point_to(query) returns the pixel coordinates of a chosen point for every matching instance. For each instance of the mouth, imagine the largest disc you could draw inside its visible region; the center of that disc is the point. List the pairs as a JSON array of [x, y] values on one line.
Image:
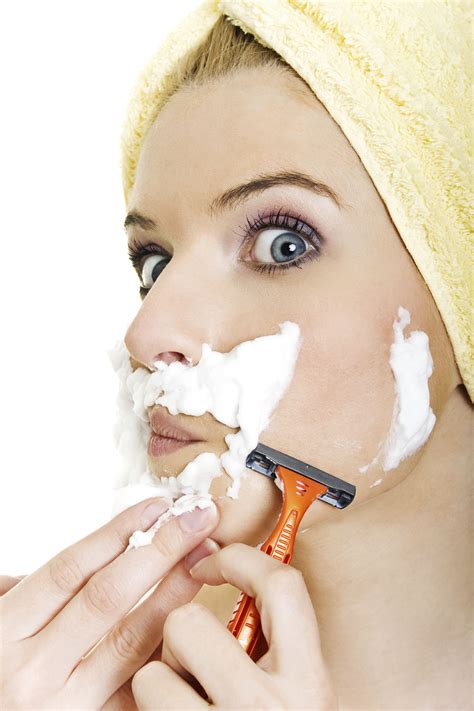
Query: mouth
[[167, 436]]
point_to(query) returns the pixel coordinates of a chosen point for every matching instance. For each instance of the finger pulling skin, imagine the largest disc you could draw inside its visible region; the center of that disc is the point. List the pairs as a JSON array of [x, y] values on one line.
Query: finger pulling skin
[[113, 591], [46, 591]]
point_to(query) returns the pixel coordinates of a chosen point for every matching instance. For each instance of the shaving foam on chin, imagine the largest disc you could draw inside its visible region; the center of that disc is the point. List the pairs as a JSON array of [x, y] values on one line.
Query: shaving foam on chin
[[240, 389]]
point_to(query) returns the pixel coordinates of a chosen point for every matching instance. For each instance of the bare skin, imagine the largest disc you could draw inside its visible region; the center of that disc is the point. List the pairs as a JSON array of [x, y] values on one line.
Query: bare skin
[[388, 577]]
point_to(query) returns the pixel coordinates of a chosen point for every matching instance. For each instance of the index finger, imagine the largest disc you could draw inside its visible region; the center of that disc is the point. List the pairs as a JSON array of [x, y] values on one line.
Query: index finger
[[112, 592], [286, 612], [41, 595]]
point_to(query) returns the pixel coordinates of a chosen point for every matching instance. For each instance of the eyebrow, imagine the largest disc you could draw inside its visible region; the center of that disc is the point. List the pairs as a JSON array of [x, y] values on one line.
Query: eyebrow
[[239, 193]]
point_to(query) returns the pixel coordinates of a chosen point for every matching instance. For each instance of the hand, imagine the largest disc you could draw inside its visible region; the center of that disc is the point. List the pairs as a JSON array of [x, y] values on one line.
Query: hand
[[7, 582], [77, 604], [292, 673]]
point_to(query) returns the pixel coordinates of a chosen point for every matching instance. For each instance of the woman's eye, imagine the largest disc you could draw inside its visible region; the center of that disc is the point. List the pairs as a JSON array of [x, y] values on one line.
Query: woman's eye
[[276, 245], [151, 269]]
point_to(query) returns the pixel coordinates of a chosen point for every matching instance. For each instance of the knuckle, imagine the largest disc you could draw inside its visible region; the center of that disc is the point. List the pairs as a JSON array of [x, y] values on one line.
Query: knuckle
[[150, 670], [65, 573], [125, 642], [229, 554], [195, 609], [180, 617], [165, 546], [286, 579], [234, 549], [101, 595]]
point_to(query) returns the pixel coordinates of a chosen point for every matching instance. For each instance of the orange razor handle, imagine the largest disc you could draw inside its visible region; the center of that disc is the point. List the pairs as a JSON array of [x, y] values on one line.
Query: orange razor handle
[[299, 492]]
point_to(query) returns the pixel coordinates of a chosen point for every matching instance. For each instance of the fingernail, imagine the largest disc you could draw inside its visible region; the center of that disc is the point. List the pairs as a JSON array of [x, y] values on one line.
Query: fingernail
[[196, 520], [207, 547], [152, 512]]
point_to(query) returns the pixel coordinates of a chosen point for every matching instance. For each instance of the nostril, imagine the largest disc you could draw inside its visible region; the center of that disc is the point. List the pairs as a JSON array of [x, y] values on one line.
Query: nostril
[[169, 357]]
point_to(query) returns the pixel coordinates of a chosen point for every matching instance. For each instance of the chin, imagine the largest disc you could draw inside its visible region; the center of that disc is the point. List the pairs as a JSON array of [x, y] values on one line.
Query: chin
[[252, 516], [174, 463], [248, 519]]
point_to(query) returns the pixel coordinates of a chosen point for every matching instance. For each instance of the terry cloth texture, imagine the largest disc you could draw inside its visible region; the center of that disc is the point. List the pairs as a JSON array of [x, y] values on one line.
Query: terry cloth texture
[[396, 76]]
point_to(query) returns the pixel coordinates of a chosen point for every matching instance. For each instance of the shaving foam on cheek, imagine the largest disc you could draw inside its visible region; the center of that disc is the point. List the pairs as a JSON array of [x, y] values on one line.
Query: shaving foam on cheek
[[412, 419], [240, 389]]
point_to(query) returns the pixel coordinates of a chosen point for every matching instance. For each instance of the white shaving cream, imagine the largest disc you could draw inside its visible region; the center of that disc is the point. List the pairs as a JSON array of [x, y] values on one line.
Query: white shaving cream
[[240, 389], [412, 419]]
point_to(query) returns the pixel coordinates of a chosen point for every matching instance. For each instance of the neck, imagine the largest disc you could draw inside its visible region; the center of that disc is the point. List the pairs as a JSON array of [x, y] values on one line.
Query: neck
[[390, 582]]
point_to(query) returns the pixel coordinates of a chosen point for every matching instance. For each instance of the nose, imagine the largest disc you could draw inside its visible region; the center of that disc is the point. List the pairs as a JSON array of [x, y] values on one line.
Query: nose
[[169, 357], [186, 307]]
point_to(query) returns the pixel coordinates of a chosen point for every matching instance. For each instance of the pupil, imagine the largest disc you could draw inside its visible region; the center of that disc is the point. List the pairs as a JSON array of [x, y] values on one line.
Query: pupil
[[158, 268], [287, 246]]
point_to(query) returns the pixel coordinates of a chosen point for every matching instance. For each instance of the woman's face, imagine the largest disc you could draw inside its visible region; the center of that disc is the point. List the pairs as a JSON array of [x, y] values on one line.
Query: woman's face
[[352, 274]]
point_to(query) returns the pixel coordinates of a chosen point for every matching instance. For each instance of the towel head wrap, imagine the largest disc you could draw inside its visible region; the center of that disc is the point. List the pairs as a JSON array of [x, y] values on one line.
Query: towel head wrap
[[395, 76]]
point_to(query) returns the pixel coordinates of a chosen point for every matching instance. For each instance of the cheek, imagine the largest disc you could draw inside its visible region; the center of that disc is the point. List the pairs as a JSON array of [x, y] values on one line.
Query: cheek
[[338, 407], [338, 410]]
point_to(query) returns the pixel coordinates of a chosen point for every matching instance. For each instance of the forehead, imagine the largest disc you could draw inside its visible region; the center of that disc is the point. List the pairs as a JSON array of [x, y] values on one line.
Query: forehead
[[209, 137]]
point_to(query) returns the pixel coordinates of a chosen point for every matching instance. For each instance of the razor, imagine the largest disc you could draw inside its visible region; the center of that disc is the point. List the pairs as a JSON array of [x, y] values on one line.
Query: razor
[[301, 485]]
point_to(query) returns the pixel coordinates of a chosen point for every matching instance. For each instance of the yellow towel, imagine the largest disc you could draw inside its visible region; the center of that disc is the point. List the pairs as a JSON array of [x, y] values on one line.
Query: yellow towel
[[396, 76]]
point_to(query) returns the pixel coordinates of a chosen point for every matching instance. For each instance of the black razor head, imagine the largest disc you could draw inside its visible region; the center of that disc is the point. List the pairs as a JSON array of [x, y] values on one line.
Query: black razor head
[[265, 460]]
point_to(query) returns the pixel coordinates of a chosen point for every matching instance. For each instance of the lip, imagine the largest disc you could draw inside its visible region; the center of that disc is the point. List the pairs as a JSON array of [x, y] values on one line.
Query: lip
[[162, 424], [167, 437], [158, 445]]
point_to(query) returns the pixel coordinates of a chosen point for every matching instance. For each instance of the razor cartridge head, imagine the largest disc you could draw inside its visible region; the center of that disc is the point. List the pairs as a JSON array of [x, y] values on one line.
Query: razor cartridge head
[[266, 460]]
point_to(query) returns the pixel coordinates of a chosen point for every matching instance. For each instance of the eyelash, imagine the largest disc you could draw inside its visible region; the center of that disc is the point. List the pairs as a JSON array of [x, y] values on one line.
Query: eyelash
[[294, 224], [137, 252]]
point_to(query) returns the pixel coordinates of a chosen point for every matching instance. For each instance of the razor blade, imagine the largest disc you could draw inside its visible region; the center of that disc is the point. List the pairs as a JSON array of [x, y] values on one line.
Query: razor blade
[[266, 460]]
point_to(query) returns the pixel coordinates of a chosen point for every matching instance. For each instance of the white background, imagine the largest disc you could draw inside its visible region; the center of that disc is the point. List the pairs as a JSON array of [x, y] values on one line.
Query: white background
[[68, 290]]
